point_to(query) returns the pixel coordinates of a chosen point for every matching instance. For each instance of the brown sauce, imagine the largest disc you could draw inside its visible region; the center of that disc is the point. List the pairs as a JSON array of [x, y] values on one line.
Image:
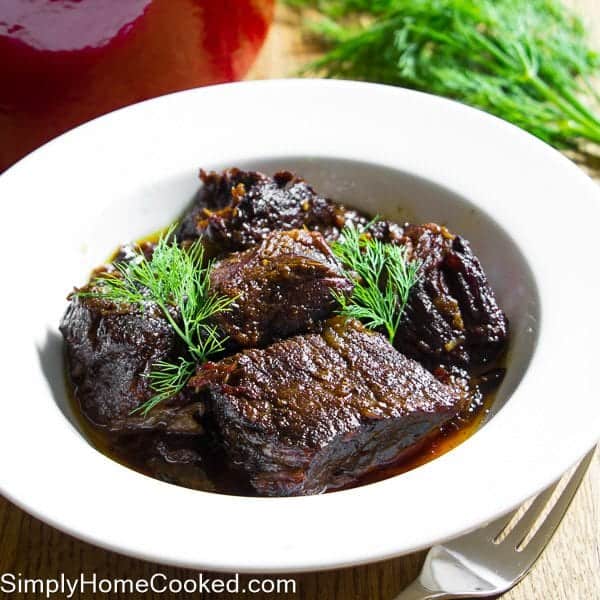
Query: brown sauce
[[215, 475], [451, 435]]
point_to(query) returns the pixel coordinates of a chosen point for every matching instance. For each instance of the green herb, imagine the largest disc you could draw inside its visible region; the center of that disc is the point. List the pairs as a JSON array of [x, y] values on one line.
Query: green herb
[[526, 61], [177, 280], [166, 379], [383, 277]]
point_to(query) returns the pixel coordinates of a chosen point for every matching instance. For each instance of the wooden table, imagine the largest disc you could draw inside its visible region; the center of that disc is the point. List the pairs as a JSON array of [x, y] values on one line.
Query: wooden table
[[568, 570]]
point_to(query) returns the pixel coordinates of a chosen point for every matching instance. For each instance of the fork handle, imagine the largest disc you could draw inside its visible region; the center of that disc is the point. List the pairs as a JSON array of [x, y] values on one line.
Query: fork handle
[[417, 591]]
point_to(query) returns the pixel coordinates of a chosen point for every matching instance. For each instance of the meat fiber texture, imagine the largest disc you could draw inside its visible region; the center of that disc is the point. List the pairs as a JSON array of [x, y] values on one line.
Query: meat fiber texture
[[237, 209], [110, 351], [280, 287], [317, 411], [452, 316]]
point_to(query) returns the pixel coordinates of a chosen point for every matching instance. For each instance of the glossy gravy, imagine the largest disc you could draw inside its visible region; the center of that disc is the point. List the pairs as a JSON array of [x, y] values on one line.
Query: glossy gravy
[[215, 475]]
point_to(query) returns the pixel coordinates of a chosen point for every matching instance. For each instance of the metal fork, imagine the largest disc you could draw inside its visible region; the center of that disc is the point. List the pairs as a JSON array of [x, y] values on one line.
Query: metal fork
[[492, 560]]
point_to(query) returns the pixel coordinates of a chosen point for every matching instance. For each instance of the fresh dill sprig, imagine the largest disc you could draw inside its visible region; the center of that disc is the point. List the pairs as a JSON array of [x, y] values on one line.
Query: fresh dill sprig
[[526, 61], [383, 277], [167, 380], [177, 280]]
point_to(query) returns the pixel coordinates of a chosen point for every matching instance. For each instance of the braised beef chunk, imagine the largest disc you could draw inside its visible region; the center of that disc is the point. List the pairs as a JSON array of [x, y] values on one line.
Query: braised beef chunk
[[110, 350], [452, 316], [238, 209], [216, 193], [281, 287], [317, 411]]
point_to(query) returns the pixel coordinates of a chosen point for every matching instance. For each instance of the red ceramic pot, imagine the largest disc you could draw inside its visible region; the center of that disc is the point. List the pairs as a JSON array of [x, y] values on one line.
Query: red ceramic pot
[[63, 62]]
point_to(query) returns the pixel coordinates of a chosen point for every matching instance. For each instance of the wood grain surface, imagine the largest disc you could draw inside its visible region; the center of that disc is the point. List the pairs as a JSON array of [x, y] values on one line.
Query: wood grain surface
[[568, 570]]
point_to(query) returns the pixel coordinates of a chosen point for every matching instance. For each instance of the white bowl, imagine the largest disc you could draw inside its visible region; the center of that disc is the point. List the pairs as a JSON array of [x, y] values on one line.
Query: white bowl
[[530, 214]]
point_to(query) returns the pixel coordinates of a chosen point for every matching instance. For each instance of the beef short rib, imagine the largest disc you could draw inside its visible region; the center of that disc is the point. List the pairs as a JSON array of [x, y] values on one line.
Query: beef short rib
[[317, 411], [281, 287], [110, 350], [452, 316], [237, 209]]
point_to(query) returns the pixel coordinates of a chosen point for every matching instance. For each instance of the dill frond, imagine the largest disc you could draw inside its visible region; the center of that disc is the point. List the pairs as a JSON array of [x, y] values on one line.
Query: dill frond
[[167, 380], [526, 61], [382, 275]]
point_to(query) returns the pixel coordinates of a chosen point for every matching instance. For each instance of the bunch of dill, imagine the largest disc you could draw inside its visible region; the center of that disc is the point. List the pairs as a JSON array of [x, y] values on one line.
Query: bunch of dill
[[526, 61]]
